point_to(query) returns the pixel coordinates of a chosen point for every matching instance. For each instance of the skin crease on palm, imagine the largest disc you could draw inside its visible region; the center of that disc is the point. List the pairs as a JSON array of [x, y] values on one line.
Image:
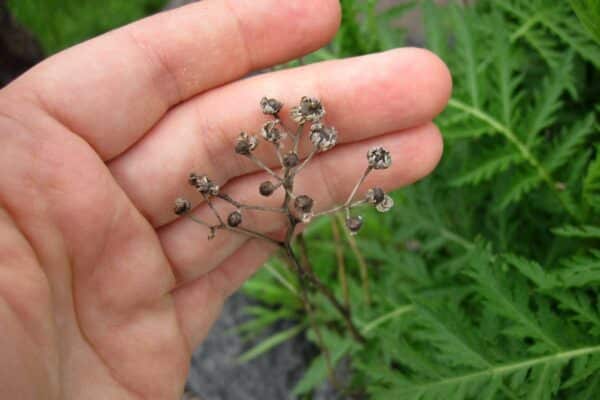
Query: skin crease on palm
[[104, 293]]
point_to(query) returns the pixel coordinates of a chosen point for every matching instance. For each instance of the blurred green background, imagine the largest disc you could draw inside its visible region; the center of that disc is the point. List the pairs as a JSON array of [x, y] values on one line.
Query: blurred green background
[[59, 24]]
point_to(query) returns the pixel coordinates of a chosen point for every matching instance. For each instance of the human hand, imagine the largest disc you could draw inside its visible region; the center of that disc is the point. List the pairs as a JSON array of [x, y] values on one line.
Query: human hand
[[104, 293]]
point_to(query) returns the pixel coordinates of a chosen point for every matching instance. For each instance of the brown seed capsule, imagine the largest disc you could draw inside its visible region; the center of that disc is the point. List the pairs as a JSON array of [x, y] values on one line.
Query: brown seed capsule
[[290, 160], [193, 179], [266, 188], [203, 184], [375, 195], [379, 158], [310, 109], [270, 106], [354, 224], [386, 204], [182, 206], [304, 204], [271, 132], [245, 144], [323, 137], [234, 219]]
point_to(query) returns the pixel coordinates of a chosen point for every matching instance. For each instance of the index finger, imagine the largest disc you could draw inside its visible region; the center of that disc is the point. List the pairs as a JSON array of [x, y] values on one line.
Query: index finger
[[112, 89]]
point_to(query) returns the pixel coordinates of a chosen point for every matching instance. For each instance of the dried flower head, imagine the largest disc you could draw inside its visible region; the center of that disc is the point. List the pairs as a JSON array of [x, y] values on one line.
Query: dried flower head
[[304, 206], [323, 137], [290, 160], [386, 204], [246, 144], [182, 206], [354, 224], [271, 132], [203, 184], [310, 109], [270, 106], [303, 203], [266, 188], [379, 158], [234, 219], [375, 195]]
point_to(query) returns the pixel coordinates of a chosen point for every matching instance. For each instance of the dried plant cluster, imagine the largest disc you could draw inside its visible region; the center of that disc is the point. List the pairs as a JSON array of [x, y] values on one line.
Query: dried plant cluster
[[297, 208]]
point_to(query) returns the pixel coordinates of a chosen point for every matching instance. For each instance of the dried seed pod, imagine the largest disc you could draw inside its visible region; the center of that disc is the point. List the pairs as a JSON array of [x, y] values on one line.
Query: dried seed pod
[[203, 184], [182, 206], [271, 132], [375, 195], [310, 109], [379, 158], [290, 160], [323, 137], [386, 204], [246, 144], [306, 217], [193, 179], [234, 219], [270, 106], [304, 204], [354, 224], [266, 188]]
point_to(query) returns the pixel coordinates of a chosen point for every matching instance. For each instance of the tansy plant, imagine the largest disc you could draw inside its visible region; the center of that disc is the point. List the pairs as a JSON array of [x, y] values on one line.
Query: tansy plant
[[297, 208]]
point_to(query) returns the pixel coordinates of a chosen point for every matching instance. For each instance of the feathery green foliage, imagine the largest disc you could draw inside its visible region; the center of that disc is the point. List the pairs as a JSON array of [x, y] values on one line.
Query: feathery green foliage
[[588, 12], [485, 281]]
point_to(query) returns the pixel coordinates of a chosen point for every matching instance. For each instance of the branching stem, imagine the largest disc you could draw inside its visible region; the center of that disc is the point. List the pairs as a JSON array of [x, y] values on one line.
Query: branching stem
[[306, 161], [262, 165], [239, 205]]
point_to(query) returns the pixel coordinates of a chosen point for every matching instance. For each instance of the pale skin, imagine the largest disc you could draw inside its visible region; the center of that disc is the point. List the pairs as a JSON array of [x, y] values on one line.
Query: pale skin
[[104, 292]]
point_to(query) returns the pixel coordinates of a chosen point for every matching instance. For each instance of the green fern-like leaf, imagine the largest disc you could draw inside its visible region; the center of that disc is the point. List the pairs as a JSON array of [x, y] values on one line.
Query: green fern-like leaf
[[583, 231], [521, 184], [588, 12], [466, 47], [570, 141], [581, 270], [548, 99], [449, 331], [557, 18], [551, 283], [509, 78], [563, 24], [510, 299], [591, 183], [488, 168]]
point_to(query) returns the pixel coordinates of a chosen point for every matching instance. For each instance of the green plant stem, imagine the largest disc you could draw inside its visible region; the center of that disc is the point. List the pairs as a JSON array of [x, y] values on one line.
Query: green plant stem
[[281, 279], [315, 327], [341, 263], [499, 370], [521, 147], [386, 317], [362, 264], [453, 237]]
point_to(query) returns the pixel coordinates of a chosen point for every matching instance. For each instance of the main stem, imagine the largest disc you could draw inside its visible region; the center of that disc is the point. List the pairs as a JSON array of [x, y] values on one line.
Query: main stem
[[306, 272], [344, 311]]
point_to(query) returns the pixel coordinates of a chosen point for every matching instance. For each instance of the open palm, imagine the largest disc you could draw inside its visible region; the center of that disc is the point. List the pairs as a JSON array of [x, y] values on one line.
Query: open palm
[[103, 291]]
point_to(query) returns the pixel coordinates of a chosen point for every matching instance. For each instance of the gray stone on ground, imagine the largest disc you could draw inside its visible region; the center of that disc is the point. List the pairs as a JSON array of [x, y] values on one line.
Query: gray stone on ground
[[215, 373]]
